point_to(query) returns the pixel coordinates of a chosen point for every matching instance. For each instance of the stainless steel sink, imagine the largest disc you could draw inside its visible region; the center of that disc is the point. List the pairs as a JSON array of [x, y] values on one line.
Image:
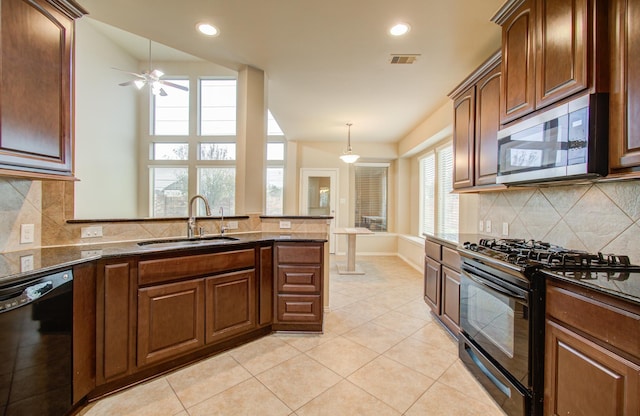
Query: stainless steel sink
[[186, 242]]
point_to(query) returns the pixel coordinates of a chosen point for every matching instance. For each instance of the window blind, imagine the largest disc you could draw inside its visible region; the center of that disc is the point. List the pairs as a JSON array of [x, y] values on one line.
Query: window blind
[[371, 197], [428, 177], [447, 201]]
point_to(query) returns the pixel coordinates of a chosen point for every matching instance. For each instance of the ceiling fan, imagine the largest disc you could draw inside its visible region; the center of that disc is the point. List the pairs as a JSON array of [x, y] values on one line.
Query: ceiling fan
[[152, 78]]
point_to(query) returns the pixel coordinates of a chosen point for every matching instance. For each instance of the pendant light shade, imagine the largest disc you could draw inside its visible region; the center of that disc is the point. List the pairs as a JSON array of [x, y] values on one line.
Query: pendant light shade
[[349, 156]]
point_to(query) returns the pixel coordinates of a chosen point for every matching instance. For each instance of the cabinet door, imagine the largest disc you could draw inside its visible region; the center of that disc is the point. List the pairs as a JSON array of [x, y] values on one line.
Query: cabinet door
[[463, 138], [624, 98], [451, 299], [582, 378], [487, 126], [35, 90], [230, 305], [432, 284], [561, 61], [116, 323], [518, 76], [170, 320]]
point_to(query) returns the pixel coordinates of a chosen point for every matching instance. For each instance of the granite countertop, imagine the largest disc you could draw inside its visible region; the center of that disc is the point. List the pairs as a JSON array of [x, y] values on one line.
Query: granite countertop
[[51, 259], [625, 287]]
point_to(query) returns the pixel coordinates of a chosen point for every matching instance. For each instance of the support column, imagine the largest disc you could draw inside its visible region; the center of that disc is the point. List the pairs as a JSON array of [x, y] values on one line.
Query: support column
[[251, 138]]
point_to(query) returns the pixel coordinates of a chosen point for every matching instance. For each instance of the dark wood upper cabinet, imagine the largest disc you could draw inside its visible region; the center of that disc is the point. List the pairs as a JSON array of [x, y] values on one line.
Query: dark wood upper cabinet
[[518, 79], [561, 60], [36, 117], [476, 120], [551, 50], [463, 136], [487, 126], [624, 98]]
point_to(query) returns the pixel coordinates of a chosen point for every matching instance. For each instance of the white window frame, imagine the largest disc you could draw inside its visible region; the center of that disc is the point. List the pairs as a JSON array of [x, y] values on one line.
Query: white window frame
[[374, 165], [438, 192]]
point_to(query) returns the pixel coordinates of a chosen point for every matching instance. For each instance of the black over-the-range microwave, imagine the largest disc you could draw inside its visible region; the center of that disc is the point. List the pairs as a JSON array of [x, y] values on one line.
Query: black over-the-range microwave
[[567, 142]]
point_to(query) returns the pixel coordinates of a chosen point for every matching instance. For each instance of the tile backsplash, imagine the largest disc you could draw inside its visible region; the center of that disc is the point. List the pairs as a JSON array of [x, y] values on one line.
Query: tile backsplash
[[602, 217], [44, 204]]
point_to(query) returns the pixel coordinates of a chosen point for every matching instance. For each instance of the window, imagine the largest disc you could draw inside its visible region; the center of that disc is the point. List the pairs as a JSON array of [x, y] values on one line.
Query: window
[[273, 128], [218, 185], [217, 107], [371, 196], [217, 151], [275, 179], [194, 164], [171, 111], [169, 191], [169, 151], [439, 207]]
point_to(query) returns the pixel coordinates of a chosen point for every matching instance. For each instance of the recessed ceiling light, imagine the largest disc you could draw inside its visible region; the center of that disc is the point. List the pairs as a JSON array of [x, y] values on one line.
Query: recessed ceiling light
[[207, 29], [400, 29]]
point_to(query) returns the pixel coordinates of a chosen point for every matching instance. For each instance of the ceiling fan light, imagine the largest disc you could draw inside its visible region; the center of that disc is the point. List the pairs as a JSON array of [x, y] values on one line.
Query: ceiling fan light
[[139, 83]]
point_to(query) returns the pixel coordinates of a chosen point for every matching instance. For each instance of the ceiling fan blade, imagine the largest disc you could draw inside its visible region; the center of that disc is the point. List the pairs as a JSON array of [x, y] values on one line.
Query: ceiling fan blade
[[125, 84], [129, 72], [171, 84]]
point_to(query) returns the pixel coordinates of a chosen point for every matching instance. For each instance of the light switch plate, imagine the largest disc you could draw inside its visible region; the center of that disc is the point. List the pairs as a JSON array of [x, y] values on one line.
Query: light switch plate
[[481, 226], [505, 228], [27, 233], [232, 225], [487, 225]]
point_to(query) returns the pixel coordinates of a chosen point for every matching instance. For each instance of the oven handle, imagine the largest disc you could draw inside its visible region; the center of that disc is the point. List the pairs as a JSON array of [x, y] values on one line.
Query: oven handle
[[493, 286]]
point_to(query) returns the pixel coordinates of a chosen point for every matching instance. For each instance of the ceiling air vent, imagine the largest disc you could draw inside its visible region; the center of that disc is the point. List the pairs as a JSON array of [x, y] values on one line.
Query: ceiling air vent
[[404, 59]]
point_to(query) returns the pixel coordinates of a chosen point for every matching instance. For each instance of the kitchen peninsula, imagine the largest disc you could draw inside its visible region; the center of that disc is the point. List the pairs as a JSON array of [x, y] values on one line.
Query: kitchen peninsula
[[144, 309]]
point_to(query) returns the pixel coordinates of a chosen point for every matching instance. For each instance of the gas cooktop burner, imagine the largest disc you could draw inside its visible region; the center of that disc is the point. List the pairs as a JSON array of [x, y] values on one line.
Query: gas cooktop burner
[[537, 253]]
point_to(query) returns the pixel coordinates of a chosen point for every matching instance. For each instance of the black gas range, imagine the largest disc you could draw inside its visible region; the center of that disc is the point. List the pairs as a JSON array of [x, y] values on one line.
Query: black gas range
[[502, 301]]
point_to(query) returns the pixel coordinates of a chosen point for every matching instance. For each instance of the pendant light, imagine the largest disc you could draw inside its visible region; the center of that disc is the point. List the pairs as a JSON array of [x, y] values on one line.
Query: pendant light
[[348, 156]]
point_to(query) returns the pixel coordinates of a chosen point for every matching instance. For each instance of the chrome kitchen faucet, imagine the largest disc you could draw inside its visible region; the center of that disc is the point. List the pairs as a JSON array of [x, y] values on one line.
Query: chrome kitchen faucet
[[191, 222]]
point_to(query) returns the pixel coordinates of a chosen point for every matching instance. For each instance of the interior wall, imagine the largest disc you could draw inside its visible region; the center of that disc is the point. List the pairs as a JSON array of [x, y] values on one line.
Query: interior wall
[[603, 217], [105, 188]]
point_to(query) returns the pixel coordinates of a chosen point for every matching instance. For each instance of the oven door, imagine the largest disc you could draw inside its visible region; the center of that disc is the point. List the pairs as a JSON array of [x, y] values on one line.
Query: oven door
[[494, 315]]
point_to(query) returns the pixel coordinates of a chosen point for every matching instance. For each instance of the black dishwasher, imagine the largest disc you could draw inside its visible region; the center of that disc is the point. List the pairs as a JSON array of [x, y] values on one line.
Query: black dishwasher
[[36, 319]]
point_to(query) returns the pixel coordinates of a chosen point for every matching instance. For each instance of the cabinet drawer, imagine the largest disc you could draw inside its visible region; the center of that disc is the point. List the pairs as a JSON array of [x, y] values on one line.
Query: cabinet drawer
[[299, 278], [299, 254], [161, 270], [433, 250], [451, 258], [609, 323], [299, 308]]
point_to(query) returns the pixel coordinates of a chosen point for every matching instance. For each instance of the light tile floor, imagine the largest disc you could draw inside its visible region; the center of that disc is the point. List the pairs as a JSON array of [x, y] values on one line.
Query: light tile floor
[[381, 353]]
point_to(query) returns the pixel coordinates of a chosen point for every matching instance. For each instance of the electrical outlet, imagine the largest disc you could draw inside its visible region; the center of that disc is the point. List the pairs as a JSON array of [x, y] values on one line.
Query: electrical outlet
[[481, 226], [27, 233], [90, 253], [232, 225], [487, 226], [26, 263], [285, 224], [91, 232], [505, 228]]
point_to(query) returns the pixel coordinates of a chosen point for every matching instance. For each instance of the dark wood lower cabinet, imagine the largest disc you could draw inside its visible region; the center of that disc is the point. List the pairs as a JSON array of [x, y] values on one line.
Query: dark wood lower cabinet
[[583, 378], [451, 299], [170, 320], [432, 284], [592, 353], [154, 312], [442, 283], [116, 320], [230, 305]]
